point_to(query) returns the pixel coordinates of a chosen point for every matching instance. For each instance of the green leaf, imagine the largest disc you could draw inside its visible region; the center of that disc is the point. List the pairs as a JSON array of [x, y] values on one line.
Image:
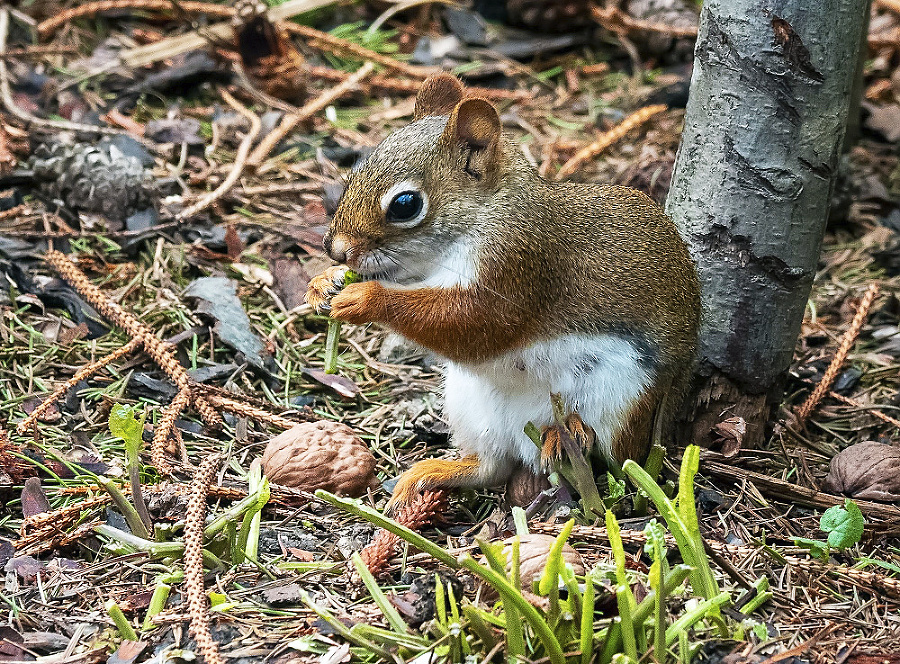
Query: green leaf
[[123, 424], [817, 548], [844, 525]]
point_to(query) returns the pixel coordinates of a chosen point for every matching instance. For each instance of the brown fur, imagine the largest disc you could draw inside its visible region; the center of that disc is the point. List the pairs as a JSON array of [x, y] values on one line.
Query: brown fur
[[554, 258]]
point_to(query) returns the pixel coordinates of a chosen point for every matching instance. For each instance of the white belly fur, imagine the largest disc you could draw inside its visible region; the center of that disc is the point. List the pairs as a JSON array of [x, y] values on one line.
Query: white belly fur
[[488, 405]]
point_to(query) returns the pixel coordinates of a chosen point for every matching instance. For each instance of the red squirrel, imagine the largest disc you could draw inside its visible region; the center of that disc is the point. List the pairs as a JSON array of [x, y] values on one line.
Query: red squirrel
[[527, 287]]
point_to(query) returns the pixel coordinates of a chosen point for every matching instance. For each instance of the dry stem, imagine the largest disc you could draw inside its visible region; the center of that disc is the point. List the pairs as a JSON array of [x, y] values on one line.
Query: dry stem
[[837, 361], [193, 561], [79, 375], [615, 134], [317, 38], [164, 429], [288, 122], [27, 118], [240, 160]]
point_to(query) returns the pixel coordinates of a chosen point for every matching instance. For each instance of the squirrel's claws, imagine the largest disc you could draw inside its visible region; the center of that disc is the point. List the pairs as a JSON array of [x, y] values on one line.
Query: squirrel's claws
[[323, 287], [553, 439]]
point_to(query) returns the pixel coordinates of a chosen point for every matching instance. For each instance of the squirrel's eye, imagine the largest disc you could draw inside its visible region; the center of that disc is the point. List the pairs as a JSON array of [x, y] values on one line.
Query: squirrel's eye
[[405, 206]]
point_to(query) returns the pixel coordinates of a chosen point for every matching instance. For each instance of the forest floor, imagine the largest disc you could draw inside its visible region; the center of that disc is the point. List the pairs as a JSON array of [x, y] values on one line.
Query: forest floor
[[134, 218]]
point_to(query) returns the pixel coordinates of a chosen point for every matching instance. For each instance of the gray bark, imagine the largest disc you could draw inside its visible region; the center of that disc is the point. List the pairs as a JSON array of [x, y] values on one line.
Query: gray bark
[[752, 184]]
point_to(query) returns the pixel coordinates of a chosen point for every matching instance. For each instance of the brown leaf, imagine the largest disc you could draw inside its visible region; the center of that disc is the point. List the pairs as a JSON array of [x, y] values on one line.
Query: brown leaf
[[732, 432], [886, 121], [233, 243], [33, 499], [291, 281], [343, 386], [867, 470]]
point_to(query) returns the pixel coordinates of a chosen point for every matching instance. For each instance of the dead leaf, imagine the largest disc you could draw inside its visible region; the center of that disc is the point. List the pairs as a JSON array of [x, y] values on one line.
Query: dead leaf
[[291, 281], [233, 243], [885, 120], [343, 386], [217, 298], [33, 499], [732, 432]]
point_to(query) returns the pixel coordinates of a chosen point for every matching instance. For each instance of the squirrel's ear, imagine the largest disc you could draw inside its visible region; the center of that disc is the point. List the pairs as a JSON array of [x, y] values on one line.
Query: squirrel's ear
[[475, 122], [439, 95]]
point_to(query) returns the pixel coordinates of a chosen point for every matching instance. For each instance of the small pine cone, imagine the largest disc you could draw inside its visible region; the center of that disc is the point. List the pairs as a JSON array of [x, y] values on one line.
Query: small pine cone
[[425, 508], [549, 15], [269, 57], [97, 179]]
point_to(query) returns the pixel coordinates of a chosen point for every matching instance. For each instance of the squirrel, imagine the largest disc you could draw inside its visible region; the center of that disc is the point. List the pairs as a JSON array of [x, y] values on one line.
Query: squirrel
[[526, 287]]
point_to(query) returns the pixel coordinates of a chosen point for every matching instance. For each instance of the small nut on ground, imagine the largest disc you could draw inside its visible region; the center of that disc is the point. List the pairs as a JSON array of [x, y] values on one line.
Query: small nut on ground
[[320, 455], [867, 471], [533, 550]]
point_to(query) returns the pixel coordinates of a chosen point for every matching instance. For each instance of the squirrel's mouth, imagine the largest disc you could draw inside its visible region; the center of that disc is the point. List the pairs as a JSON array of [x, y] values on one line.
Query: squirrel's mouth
[[371, 266]]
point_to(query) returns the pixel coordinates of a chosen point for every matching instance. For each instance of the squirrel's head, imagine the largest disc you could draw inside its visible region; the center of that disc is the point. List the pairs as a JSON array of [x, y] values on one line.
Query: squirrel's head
[[422, 187]]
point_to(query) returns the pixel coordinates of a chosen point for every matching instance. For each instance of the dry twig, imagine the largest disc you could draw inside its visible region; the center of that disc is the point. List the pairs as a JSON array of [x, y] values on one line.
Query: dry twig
[[193, 561], [288, 122], [240, 160], [81, 374], [317, 38], [843, 350], [32, 121], [615, 134], [615, 20], [422, 511], [874, 409]]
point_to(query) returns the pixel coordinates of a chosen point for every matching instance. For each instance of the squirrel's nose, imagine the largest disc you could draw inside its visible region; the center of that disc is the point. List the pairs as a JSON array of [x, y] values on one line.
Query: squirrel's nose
[[337, 247]]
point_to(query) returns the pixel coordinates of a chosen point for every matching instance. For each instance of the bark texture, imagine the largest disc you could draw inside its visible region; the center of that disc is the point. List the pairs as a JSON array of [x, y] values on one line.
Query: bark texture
[[752, 184]]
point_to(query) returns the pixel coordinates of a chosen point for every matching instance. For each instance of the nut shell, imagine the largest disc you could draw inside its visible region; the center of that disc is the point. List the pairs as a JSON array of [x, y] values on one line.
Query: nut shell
[[320, 455], [867, 470], [533, 550]]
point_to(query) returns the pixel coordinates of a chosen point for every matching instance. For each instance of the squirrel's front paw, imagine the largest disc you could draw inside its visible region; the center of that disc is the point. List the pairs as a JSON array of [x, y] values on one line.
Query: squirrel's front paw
[[359, 303], [323, 287]]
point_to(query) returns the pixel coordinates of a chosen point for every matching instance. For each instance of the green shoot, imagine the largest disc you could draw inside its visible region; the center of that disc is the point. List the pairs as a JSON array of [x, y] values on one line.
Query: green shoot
[[333, 332]]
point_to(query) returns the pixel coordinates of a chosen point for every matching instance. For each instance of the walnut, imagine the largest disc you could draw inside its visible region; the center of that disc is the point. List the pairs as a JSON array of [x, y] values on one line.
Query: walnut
[[533, 550], [867, 470], [320, 455]]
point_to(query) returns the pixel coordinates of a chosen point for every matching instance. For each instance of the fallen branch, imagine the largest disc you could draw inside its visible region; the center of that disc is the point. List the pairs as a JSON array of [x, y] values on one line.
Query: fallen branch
[[240, 160], [32, 121]]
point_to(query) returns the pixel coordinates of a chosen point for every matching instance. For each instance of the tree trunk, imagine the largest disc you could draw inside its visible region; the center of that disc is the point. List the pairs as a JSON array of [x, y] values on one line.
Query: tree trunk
[[752, 185]]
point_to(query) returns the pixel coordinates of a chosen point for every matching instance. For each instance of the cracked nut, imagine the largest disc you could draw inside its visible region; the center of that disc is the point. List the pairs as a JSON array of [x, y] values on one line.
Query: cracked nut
[[320, 455]]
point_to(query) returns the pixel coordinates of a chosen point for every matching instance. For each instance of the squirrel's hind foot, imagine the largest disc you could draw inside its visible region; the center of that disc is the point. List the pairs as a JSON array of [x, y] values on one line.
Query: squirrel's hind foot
[[431, 474]]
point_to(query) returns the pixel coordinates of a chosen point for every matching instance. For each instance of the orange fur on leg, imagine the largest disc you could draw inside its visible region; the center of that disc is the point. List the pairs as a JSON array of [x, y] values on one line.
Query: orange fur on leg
[[433, 473]]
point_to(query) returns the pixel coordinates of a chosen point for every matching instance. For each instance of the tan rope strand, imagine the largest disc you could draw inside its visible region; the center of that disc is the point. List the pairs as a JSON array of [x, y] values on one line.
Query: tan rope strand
[[81, 374], [155, 348], [198, 608], [614, 135], [847, 342]]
